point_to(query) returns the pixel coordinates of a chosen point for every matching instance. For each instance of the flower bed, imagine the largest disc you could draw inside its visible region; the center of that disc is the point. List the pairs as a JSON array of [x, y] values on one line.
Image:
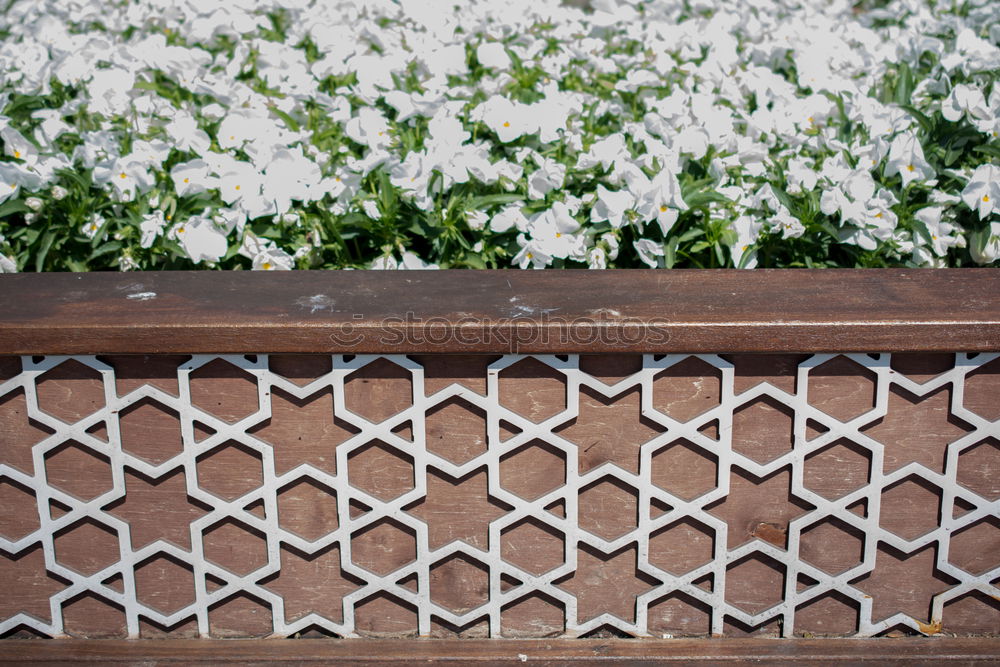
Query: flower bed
[[277, 134]]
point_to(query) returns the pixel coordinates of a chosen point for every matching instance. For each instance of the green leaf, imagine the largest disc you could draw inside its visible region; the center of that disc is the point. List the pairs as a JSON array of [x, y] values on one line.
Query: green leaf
[[474, 261], [904, 85], [110, 246], [704, 198], [13, 206], [670, 253], [926, 124], [690, 234], [745, 257], [292, 124], [989, 149], [43, 250], [492, 200], [951, 155]]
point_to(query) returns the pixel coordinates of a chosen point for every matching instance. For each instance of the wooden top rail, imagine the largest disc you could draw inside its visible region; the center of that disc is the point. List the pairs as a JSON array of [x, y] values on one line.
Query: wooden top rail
[[508, 311]]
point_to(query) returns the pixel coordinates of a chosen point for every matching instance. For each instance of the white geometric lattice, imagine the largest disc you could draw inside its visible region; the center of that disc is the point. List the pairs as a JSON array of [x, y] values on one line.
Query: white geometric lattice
[[568, 492]]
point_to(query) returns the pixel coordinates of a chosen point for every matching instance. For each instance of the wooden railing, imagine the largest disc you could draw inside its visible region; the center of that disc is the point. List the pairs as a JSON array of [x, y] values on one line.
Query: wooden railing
[[462, 455]]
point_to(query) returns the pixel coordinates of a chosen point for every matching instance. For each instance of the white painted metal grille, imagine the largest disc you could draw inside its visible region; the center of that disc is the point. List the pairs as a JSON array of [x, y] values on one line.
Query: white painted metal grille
[[802, 581]]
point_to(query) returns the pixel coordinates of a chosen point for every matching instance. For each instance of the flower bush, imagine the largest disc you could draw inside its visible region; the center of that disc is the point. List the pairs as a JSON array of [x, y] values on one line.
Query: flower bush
[[279, 134]]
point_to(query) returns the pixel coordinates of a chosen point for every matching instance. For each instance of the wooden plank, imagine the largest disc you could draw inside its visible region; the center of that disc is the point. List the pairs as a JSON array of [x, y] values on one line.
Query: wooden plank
[[374, 652], [637, 311]]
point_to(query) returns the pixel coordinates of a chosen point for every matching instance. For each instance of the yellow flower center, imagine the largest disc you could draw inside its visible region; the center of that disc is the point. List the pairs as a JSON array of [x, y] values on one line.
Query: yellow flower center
[[558, 235], [506, 123], [237, 187], [123, 175], [933, 238], [232, 137], [909, 167], [879, 214], [986, 198], [529, 255], [187, 180], [663, 209], [267, 266], [17, 154], [13, 186], [810, 119]]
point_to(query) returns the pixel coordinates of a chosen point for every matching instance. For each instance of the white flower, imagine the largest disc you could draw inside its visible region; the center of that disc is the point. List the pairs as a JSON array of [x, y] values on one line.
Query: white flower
[[290, 175], [597, 258], [906, 158], [371, 209], [662, 201], [108, 91], [510, 216], [411, 262], [492, 55], [192, 177], [59, 193], [126, 262], [982, 194], [7, 264], [555, 231], [151, 226], [272, 258], [370, 128], [187, 136], [201, 239], [965, 99], [384, 263], [241, 181], [605, 152], [34, 203], [747, 232], [941, 233], [789, 226], [126, 175], [800, 175], [549, 176], [92, 226], [16, 146], [611, 206], [476, 219], [649, 251], [509, 120], [532, 254], [990, 250]]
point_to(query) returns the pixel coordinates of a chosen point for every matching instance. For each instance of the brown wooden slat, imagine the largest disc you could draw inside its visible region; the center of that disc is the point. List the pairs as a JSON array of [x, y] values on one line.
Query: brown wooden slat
[[928, 651], [502, 311]]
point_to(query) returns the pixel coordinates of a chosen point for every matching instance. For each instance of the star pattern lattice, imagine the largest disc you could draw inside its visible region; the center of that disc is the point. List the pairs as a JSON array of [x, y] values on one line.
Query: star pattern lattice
[[402, 437]]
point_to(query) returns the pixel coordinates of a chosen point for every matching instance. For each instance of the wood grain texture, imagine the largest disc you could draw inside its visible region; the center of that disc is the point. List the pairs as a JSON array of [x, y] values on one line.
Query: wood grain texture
[[551, 653], [636, 311]]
